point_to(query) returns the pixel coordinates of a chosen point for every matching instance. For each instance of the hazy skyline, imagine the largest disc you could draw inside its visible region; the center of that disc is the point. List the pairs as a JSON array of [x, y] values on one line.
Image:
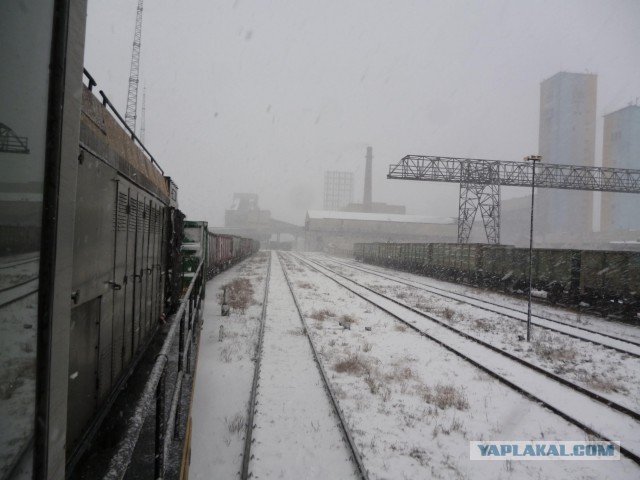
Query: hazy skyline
[[263, 97]]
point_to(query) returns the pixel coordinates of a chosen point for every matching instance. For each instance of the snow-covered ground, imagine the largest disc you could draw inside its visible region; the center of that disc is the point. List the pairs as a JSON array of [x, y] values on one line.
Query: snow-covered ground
[[611, 374], [18, 328], [296, 433], [411, 405], [224, 375], [579, 319]]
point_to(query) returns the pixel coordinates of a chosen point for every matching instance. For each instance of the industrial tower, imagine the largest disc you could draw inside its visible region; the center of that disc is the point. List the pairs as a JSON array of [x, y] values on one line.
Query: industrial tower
[[132, 95]]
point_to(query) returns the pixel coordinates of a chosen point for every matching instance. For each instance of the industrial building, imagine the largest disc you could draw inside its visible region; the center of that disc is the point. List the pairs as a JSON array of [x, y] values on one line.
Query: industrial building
[[336, 232], [245, 218], [621, 149], [567, 136]]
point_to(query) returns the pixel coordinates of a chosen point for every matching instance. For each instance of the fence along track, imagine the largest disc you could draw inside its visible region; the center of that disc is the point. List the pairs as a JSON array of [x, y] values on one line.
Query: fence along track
[[629, 454], [355, 455], [246, 456], [453, 296]]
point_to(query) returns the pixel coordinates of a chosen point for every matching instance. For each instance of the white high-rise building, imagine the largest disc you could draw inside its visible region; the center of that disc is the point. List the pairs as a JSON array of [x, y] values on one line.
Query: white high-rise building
[[621, 149], [567, 136]]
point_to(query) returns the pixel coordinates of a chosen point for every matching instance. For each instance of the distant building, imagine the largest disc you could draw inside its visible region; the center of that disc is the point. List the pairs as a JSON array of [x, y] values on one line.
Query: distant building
[[515, 220], [367, 205], [621, 149], [245, 217], [567, 136], [375, 207], [338, 231], [338, 190]]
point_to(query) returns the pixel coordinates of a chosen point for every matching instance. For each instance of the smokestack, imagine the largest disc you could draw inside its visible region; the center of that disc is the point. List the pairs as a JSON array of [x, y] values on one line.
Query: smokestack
[[367, 181]]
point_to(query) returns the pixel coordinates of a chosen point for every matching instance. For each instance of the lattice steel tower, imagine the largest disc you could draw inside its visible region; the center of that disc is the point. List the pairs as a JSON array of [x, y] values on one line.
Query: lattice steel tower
[[338, 190], [132, 95]]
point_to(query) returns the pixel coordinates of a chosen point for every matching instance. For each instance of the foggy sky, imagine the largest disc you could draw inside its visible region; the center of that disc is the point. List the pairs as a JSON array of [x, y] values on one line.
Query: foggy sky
[[264, 96]]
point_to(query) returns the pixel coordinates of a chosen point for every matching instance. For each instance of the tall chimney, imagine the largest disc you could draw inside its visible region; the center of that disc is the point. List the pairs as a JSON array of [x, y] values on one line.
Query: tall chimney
[[367, 181]]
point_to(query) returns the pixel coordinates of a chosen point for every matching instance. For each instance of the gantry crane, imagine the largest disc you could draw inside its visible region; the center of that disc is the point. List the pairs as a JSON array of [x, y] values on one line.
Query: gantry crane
[[12, 143], [480, 182]]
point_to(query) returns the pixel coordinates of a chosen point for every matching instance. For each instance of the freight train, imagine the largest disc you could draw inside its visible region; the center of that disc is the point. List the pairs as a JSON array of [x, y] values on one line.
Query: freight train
[[220, 250], [606, 281], [134, 258], [90, 338]]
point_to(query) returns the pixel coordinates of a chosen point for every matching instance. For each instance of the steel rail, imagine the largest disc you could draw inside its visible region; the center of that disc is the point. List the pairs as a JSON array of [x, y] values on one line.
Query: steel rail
[[588, 393], [453, 296], [19, 262], [362, 471], [248, 439], [16, 285], [19, 297], [610, 403], [613, 337]]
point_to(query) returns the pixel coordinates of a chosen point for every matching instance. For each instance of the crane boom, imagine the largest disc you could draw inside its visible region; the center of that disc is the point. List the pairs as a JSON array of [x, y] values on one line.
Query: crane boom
[[480, 182]]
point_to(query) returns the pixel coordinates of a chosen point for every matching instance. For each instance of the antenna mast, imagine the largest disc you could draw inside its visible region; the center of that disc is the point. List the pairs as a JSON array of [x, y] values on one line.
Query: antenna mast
[[142, 122], [132, 96]]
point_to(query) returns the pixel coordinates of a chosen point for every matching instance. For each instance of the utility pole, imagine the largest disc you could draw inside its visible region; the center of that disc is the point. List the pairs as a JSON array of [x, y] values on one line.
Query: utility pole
[[132, 95], [533, 159]]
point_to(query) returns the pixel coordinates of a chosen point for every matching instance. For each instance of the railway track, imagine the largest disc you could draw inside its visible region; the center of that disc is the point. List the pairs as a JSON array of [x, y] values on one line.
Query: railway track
[[246, 456], [16, 263], [612, 342], [285, 414], [571, 402], [13, 293]]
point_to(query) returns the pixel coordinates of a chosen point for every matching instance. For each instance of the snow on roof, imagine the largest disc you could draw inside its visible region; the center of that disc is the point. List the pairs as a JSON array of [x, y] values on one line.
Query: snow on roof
[[377, 217]]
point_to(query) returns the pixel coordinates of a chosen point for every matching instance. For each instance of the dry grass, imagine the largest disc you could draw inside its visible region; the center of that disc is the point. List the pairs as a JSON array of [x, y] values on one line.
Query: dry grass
[[420, 455], [448, 313], [482, 325], [400, 373], [423, 306], [236, 424], [299, 332], [306, 285], [226, 354], [322, 315], [353, 365], [455, 426], [347, 320], [446, 396], [553, 349], [399, 327], [239, 294], [596, 381]]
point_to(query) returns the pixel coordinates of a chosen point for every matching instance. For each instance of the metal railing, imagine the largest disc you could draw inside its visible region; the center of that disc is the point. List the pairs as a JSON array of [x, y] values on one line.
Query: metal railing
[[184, 325], [107, 103]]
